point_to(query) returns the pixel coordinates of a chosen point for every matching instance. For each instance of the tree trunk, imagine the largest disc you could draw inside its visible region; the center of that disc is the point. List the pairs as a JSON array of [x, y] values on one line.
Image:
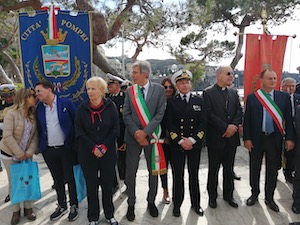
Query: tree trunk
[[238, 51], [10, 60], [4, 79], [101, 61]]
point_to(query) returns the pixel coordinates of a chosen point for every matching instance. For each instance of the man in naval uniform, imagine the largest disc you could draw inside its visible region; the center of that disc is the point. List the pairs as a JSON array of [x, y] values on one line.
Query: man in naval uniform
[[186, 122], [118, 97]]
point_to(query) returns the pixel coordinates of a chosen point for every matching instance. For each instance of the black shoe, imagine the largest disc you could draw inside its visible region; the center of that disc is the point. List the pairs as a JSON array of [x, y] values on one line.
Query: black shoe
[[212, 203], [73, 215], [251, 200], [58, 213], [272, 205], [295, 209], [289, 179], [130, 213], [7, 198], [152, 210], [1, 169], [113, 221], [231, 202], [199, 211], [176, 212], [236, 177]]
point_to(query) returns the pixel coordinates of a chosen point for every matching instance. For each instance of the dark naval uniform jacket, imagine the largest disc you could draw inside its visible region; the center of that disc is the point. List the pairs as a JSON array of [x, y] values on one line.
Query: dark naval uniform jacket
[[186, 119], [118, 99]]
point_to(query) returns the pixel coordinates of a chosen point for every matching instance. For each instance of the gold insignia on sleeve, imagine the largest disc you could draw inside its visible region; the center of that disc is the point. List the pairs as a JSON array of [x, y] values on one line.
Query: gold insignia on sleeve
[[173, 135], [200, 134]]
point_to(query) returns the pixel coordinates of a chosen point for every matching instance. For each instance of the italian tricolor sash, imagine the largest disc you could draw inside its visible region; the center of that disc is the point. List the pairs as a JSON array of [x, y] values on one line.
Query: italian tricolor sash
[[158, 161], [272, 108]]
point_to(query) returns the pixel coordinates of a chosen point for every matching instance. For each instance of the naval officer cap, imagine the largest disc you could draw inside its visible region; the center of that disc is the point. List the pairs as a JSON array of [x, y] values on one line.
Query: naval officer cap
[[180, 75], [111, 79], [7, 90], [125, 83]]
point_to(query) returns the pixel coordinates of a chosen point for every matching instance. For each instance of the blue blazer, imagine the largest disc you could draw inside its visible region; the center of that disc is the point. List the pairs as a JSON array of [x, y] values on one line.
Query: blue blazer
[[253, 119], [66, 113]]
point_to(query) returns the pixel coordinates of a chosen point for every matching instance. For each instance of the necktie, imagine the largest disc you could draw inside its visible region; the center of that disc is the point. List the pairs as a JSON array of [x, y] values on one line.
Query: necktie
[[184, 99], [142, 90], [293, 105], [269, 122]]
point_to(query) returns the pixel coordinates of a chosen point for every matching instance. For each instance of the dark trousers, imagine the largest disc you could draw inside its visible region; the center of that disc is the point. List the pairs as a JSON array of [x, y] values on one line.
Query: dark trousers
[[216, 157], [164, 178], [98, 171], [273, 158], [60, 163], [122, 164], [296, 181], [179, 158], [289, 168]]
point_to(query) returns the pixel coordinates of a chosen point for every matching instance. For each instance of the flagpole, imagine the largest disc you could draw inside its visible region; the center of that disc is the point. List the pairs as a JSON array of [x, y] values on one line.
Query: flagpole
[[264, 16]]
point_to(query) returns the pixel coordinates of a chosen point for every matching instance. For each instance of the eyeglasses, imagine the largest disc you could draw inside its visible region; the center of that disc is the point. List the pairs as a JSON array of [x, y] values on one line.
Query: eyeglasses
[[229, 73], [168, 87]]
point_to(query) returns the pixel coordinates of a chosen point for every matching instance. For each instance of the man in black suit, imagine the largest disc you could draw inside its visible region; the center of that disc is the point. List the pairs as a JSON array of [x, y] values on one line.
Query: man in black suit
[[118, 97], [186, 122], [224, 114], [288, 85], [267, 119]]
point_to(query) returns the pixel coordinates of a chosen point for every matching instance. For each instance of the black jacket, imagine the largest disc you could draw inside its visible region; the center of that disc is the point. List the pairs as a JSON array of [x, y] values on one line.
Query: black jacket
[[102, 129]]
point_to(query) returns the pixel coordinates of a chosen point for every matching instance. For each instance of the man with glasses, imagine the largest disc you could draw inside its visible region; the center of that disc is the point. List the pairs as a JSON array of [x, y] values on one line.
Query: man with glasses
[[144, 109], [224, 114], [288, 85], [55, 123]]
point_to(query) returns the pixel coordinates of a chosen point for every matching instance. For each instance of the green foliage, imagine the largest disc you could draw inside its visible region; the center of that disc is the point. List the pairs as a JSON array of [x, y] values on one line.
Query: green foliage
[[198, 71]]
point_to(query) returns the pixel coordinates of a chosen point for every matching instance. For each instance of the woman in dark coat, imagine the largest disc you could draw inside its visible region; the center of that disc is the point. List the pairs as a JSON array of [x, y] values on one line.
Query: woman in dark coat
[[97, 127]]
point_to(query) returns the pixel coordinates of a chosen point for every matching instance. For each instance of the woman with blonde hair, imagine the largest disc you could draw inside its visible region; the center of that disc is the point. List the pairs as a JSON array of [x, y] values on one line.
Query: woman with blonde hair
[[96, 130], [20, 141]]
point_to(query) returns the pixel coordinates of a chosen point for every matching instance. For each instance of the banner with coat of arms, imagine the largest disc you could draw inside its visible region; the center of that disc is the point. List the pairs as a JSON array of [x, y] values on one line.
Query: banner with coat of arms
[[57, 47]]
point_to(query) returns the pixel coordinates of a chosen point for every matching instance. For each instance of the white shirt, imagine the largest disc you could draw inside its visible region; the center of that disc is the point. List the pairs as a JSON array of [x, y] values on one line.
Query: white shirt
[[146, 89], [56, 136], [188, 95]]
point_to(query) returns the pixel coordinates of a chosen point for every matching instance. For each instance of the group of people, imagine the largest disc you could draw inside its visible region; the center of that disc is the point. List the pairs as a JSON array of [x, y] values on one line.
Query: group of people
[[168, 123]]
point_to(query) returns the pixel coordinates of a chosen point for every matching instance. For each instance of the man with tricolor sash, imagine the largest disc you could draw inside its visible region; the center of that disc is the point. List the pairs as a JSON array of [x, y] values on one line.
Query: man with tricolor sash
[[267, 123], [143, 112]]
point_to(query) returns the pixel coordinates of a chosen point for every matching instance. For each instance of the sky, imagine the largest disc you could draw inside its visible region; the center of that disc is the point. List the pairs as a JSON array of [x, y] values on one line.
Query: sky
[[292, 55]]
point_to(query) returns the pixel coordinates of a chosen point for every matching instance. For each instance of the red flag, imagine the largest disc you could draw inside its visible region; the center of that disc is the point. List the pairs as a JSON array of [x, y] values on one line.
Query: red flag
[[262, 52]]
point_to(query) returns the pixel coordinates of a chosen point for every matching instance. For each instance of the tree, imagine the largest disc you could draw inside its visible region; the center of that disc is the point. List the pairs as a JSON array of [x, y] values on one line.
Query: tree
[[107, 21], [225, 14], [148, 27]]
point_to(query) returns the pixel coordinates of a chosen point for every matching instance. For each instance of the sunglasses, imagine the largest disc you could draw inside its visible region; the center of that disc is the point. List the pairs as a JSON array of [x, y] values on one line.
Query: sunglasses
[[229, 73], [168, 87]]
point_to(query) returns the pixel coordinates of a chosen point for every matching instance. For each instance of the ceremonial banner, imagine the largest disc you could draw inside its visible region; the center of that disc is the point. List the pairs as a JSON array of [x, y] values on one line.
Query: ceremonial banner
[[262, 52], [59, 50]]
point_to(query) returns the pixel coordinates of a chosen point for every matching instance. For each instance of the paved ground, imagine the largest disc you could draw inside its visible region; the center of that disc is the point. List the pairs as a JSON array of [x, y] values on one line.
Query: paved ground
[[222, 215]]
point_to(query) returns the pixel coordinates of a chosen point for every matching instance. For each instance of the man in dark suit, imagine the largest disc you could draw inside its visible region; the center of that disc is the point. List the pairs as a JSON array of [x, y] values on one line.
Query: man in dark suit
[[267, 119], [118, 97], [186, 120], [141, 97], [288, 85], [296, 157], [224, 114], [55, 124]]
